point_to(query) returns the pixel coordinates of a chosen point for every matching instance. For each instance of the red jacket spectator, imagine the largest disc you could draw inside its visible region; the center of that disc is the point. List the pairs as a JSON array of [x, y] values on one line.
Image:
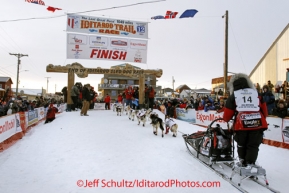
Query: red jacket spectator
[[119, 98], [183, 105], [51, 112], [129, 92], [152, 92], [50, 116], [107, 99], [201, 106]]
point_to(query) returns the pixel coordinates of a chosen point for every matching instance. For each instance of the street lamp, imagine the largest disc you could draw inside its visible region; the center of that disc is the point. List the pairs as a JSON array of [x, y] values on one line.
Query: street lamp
[[19, 72], [232, 72]]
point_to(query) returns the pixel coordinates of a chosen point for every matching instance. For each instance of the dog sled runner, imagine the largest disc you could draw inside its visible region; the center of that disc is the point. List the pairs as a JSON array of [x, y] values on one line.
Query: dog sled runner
[[214, 148]]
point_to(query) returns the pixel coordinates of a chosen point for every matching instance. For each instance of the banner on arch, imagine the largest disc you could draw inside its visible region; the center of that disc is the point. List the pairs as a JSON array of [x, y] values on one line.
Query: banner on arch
[[106, 26], [82, 46]]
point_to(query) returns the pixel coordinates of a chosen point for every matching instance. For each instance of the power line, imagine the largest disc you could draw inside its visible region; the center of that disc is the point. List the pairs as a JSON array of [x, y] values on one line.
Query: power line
[[238, 47], [103, 9]]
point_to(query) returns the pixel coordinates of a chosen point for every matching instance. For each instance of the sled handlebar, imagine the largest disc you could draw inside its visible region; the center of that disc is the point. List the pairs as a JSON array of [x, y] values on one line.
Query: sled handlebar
[[219, 119]]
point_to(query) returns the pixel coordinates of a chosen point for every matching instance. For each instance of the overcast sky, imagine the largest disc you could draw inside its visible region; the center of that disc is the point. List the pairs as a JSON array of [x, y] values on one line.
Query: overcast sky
[[191, 50]]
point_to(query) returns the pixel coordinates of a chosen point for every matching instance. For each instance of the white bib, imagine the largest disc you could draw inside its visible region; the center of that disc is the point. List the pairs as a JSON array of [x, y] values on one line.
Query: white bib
[[170, 123], [247, 100]]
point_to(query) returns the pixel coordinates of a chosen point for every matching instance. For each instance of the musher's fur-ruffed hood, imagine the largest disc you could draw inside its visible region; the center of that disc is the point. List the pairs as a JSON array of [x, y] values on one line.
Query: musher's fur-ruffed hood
[[240, 81]]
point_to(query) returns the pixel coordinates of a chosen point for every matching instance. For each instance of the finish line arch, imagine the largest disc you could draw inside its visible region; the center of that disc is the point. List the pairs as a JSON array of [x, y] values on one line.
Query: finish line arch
[[82, 72]]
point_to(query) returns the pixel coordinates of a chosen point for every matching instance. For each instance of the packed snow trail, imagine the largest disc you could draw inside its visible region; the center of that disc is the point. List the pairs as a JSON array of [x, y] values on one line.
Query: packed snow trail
[[74, 150]]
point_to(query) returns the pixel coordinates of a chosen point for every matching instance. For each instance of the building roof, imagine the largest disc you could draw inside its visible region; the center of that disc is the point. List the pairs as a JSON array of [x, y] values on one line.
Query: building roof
[[183, 85], [28, 91], [123, 65], [201, 90], [5, 79], [273, 44]]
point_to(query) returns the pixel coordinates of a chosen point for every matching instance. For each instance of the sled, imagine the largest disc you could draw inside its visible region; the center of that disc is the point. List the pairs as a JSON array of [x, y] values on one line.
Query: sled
[[216, 144]]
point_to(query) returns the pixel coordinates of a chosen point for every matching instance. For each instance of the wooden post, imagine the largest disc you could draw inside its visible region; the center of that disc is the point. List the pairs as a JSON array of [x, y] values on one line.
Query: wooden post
[[226, 55], [70, 83], [141, 90]]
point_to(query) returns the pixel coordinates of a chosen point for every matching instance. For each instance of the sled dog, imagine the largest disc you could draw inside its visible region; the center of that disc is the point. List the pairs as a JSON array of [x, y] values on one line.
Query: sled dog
[[171, 125], [157, 123], [141, 117]]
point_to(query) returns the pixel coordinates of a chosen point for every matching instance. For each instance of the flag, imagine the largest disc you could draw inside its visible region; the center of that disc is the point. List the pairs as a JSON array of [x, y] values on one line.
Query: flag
[[158, 17], [39, 2], [49, 8], [171, 15], [189, 13]]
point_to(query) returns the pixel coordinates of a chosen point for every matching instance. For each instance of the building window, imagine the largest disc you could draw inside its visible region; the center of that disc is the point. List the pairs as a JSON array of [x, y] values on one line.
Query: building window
[[113, 93], [114, 81], [130, 82]]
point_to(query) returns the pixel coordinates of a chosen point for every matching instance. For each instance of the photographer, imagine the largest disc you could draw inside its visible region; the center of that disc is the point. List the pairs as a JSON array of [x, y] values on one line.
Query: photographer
[[208, 103]]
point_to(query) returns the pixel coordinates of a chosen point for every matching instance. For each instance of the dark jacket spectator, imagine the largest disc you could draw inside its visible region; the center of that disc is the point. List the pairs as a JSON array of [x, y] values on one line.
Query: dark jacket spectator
[[170, 111], [136, 93], [208, 104], [85, 94], [268, 98], [281, 110]]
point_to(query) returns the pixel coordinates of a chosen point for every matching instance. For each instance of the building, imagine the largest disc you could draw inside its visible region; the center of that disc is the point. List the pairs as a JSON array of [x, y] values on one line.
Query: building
[[30, 94], [272, 66], [180, 88], [194, 93], [161, 92], [5, 84], [113, 84]]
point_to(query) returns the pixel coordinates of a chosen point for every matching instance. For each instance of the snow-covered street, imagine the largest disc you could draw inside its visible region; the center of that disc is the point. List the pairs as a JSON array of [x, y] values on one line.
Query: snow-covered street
[[76, 151]]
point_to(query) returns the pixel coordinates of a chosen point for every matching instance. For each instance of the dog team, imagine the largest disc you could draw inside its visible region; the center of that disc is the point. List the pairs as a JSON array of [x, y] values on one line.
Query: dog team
[[144, 115]]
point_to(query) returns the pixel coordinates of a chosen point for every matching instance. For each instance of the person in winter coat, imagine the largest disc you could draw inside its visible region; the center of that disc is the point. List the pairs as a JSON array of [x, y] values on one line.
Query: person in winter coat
[[170, 111], [50, 115], [149, 96], [220, 106], [281, 110], [134, 103], [250, 113], [107, 102], [136, 92], [258, 88], [119, 98], [208, 103], [269, 99], [74, 96], [270, 86], [128, 94], [64, 92], [85, 100]]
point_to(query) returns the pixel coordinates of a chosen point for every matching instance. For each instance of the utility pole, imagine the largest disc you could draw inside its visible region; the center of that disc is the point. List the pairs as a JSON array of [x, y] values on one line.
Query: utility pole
[[47, 84], [173, 94], [18, 63], [226, 52]]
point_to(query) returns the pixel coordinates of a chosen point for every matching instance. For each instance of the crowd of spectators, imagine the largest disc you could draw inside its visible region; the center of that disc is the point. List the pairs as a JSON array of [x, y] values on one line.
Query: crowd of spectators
[[17, 104], [276, 101]]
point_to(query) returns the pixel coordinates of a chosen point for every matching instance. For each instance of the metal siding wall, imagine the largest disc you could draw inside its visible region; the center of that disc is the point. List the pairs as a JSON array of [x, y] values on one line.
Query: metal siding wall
[[270, 64], [273, 67], [259, 75], [283, 52]]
